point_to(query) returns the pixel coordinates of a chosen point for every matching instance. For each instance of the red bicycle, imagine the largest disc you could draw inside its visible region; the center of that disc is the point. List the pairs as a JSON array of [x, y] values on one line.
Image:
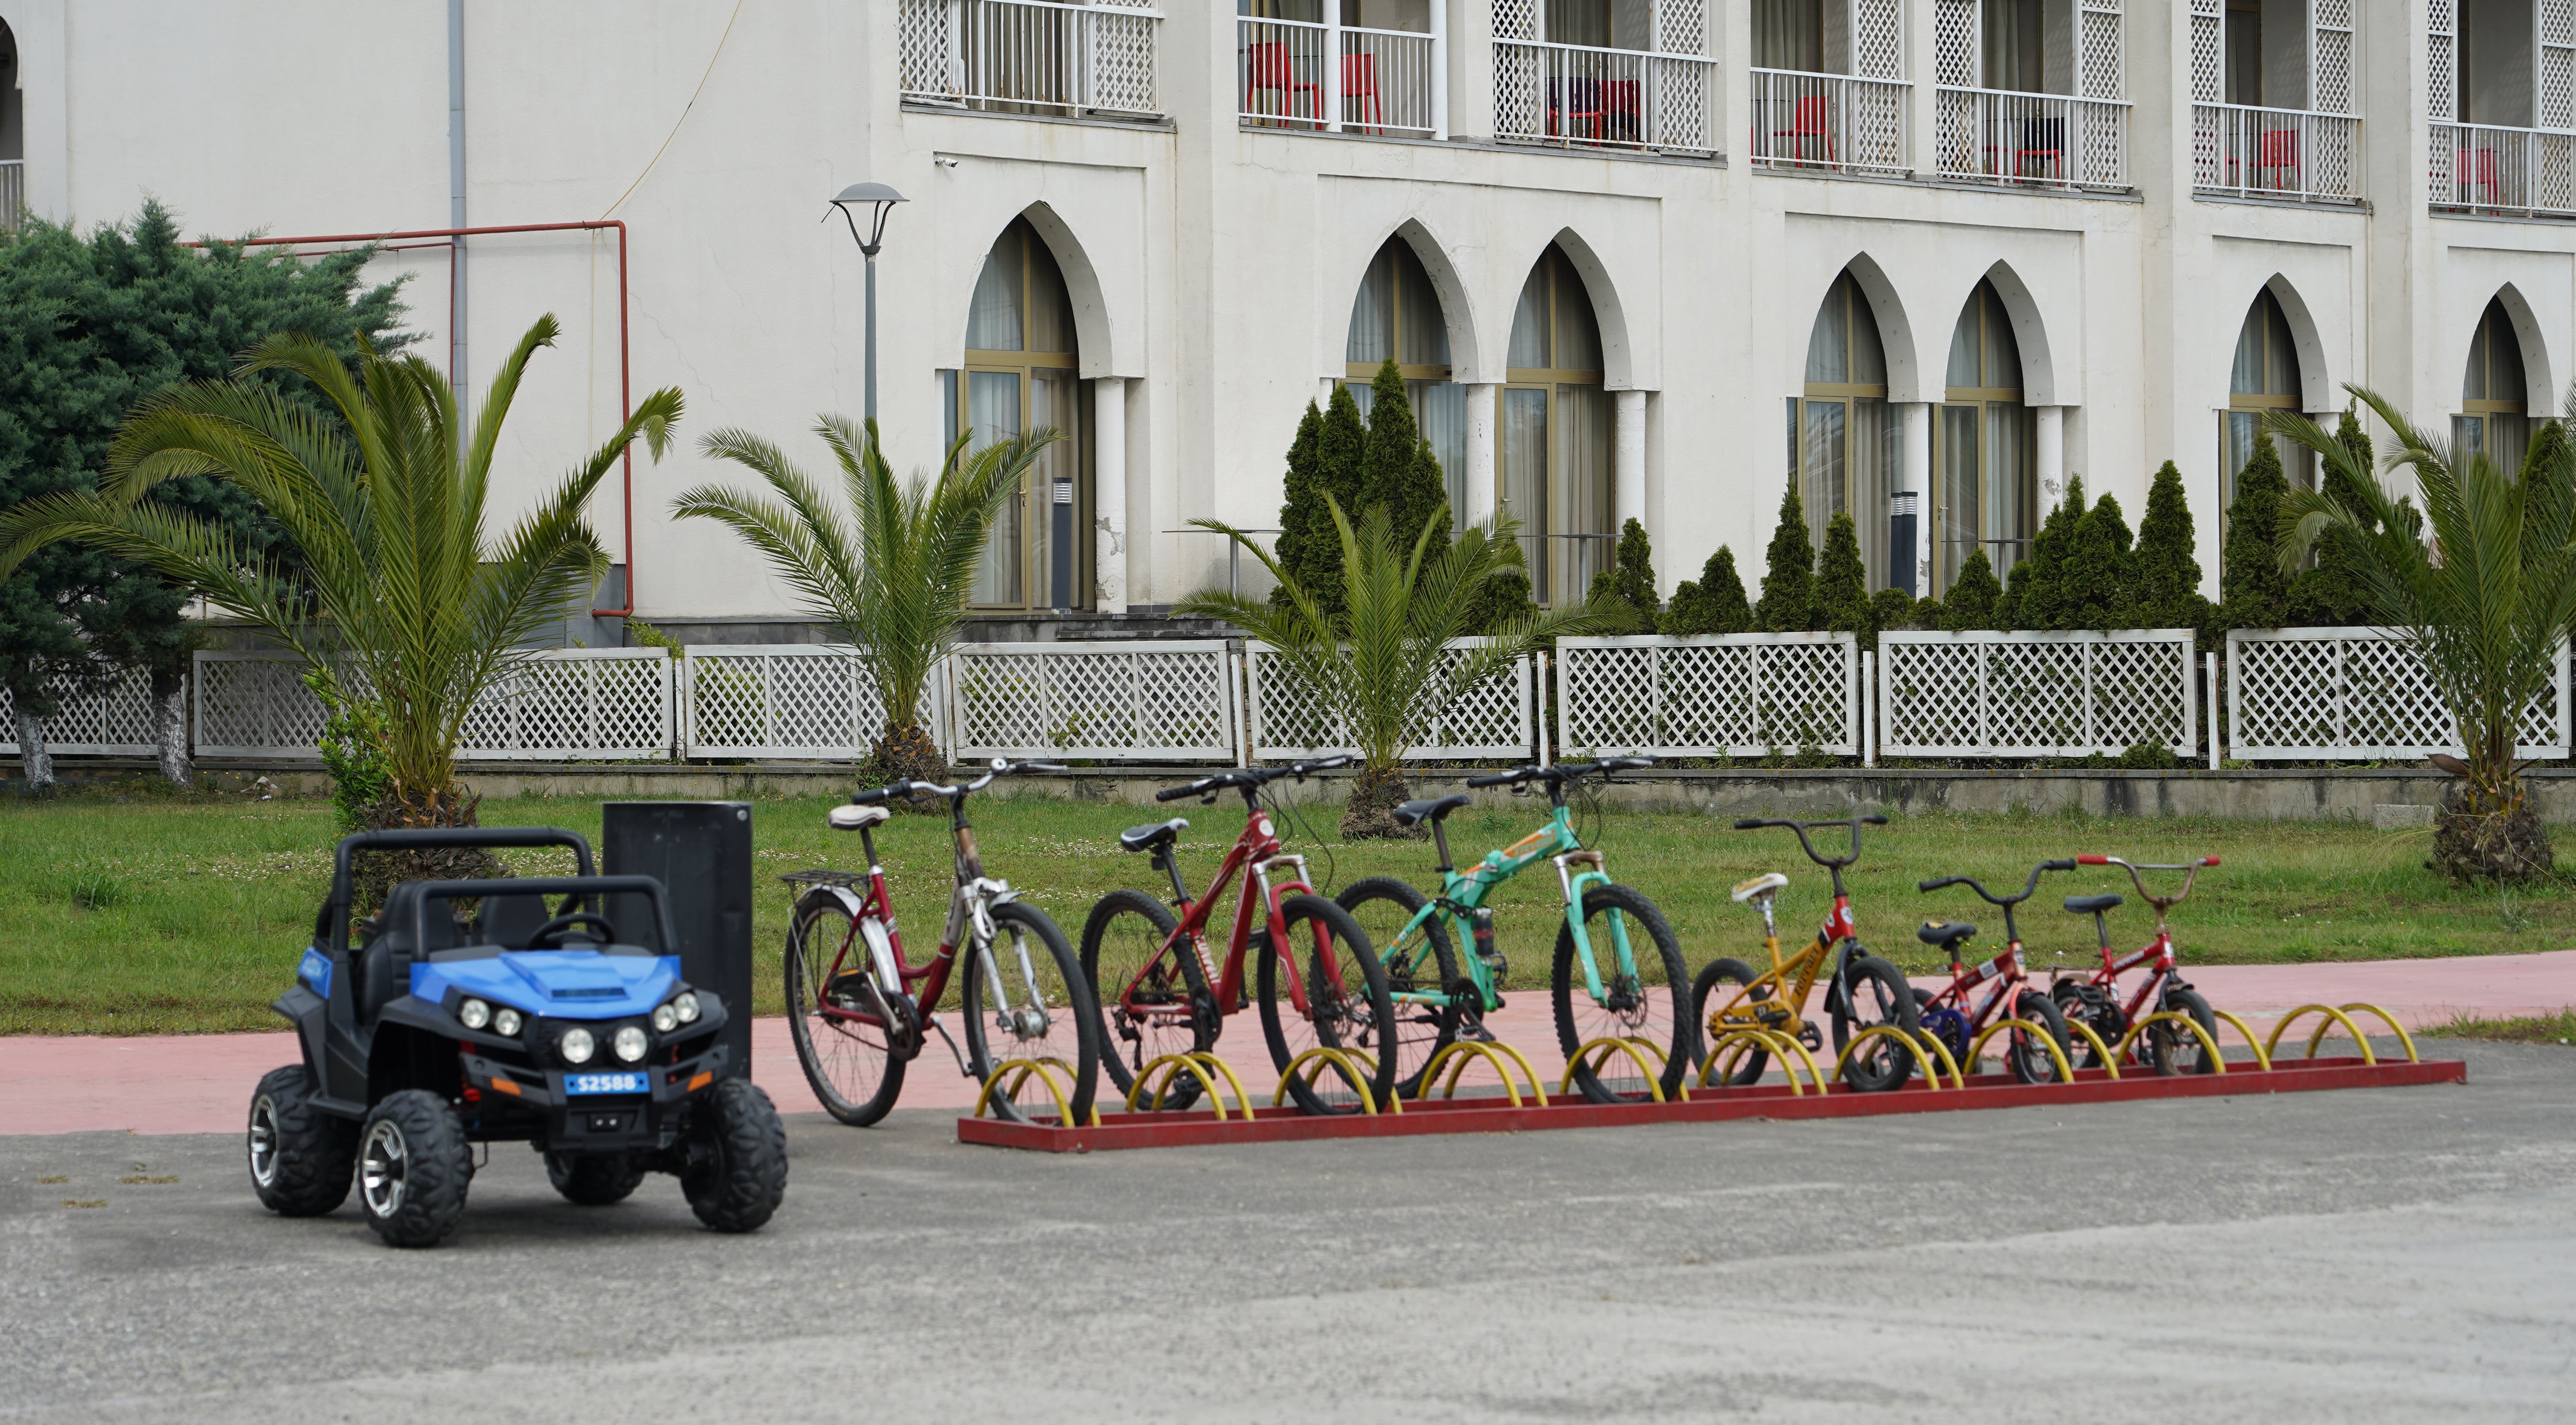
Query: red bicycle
[[1956, 1018], [1150, 972], [2165, 1047]]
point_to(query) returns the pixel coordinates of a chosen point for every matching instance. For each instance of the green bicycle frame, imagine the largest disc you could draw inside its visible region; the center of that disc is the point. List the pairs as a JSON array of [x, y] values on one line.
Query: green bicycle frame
[[1464, 894]]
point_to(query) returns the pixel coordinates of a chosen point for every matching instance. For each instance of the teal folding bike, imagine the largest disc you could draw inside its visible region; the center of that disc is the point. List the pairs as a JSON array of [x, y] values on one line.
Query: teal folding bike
[[1622, 999]]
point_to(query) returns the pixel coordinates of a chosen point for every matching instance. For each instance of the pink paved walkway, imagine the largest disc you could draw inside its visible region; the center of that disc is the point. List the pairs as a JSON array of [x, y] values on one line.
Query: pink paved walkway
[[201, 1083]]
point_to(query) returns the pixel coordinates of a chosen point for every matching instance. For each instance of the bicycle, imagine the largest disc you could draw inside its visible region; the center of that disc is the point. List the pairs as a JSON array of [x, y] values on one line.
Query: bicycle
[[859, 1011], [1176, 1001], [1960, 1025], [1863, 992], [2095, 998], [1439, 999]]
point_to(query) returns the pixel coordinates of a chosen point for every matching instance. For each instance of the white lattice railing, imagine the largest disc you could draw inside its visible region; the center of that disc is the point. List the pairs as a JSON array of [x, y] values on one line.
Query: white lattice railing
[[2034, 694], [1076, 58], [2275, 153], [1388, 81], [1289, 719], [255, 705], [1712, 695], [1146, 700], [572, 704], [1831, 121], [112, 717], [1580, 95], [799, 700], [2481, 168], [2332, 694], [2040, 140]]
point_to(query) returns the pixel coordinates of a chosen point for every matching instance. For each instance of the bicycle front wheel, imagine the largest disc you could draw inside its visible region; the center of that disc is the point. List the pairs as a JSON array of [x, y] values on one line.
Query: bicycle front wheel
[[1149, 990], [1026, 1001], [852, 1040], [1643, 998], [1422, 974], [1347, 1007], [1874, 993], [2170, 1049]]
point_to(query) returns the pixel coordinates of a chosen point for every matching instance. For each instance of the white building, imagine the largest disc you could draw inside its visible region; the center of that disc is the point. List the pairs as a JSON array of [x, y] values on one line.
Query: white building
[[1638, 257]]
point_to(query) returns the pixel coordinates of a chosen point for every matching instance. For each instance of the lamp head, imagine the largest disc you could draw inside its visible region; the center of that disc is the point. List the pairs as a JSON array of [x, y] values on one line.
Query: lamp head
[[878, 200]]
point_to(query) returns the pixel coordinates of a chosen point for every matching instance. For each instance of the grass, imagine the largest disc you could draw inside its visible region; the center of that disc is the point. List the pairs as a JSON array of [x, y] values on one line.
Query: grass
[[186, 913], [2559, 1028]]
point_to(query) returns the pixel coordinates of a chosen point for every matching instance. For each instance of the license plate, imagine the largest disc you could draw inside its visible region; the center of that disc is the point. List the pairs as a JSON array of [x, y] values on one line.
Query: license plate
[[636, 1082]]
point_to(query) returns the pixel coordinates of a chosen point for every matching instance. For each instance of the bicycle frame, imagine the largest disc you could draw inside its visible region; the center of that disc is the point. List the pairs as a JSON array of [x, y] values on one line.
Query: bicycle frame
[[1254, 854], [1462, 895], [2156, 955], [1785, 1003]]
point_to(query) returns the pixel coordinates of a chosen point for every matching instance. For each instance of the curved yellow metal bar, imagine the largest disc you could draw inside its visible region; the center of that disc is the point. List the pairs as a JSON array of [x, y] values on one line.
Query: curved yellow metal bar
[[2262, 1056], [1740, 1041], [1242, 1099], [2365, 1007], [1207, 1067], [1020, 1069], [1458, 1055], [2065, 1070], [1842, 1062], [2332, 1016], [1527, 1072], [2102, 1051], [1933, 1042], [1324, 1056], [2167, 1016], [1603, 1049]]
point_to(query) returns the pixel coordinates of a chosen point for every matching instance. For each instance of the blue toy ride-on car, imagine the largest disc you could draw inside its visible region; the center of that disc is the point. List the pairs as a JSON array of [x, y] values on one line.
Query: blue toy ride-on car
[[476, 1012]]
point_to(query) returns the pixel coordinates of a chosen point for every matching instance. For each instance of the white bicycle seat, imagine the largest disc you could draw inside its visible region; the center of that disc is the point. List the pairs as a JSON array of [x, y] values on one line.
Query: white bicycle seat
[[1769, 883], [851, 818]]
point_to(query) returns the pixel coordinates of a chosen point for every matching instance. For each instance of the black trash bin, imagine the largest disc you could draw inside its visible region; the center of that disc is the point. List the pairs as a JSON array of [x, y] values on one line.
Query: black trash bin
[[701, 853]]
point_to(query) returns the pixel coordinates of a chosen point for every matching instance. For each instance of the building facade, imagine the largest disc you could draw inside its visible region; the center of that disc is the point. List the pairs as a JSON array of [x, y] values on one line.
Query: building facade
[[1634, 258]]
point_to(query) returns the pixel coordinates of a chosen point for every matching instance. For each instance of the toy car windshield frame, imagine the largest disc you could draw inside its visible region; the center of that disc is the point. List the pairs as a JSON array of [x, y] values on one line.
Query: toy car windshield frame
[[589, 888]]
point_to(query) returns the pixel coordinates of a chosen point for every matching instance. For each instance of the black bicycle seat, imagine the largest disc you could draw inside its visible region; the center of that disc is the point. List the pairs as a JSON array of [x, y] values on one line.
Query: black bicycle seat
[[2092, 905], [1429, 809], [1146, 838], [1944, 933]]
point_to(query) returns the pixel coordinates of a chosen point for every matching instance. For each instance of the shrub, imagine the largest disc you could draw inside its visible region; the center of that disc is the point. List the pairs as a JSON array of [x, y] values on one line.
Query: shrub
[[2163, 574], [1892, 608], [1789, 575], [2253, 592], [2332, 592], [1323, 460], [1397, 468], [2148, 757], [2096, 584], [1841, 597], [1973, 596], [1713, 604], [1628, 585], [2035, 594]]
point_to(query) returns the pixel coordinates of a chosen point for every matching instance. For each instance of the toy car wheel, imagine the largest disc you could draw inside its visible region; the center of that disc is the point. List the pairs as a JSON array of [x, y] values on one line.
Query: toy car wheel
[[593, 1179], [299, 1156], [413, 1167], [734, 1164]]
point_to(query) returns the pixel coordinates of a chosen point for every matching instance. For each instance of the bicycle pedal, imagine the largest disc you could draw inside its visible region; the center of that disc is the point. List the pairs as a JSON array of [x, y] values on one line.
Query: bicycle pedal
[[1474, 1032]]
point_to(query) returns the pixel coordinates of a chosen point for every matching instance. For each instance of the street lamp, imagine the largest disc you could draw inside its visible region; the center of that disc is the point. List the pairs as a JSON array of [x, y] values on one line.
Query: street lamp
[[879, 200]]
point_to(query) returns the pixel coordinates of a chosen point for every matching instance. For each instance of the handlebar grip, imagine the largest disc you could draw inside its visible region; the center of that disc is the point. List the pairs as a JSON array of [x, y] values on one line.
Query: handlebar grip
[[2057, 865], [1042, 767], [2092, 860], [1937, 885], [1748, 823], [1492, 779], [1173, 794], [2209, 860], [874, 796], [1875, 819]]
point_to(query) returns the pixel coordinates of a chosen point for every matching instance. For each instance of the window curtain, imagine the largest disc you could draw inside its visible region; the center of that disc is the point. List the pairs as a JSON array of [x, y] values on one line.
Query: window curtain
[[993, 413], [1789, 34], [1524, 493], [1581, 504], [993, 318], [2016, 59], [1440, 408]]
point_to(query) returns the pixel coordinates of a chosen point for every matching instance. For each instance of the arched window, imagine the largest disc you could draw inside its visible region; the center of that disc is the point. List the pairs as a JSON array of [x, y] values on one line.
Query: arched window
[[1397, 313], [1987, 480], [2265, 377], [1555, 433], [1845, 442], [1020, 375], [2495, 412]]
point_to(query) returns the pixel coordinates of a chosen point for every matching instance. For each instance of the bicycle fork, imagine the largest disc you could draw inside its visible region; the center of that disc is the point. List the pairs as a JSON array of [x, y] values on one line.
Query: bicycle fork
[[1626, 982]]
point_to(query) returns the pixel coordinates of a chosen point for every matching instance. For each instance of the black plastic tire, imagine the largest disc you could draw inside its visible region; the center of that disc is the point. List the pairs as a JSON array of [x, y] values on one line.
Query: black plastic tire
[[1656, 1013], [413, 1169], [1877, 994], [300, 1157], [1346, 1010], [1719, 982], [735, 1163], [1428, 960], [2030, 1060], [2097, 1012], [1125, 928], [2170, 1049], [855, 1070], [1073, 1016], [593, 1179]]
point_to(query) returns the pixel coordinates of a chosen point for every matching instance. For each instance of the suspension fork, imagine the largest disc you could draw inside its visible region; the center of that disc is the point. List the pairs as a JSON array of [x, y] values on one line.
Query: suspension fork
[[1576, 884], [1277, 925]]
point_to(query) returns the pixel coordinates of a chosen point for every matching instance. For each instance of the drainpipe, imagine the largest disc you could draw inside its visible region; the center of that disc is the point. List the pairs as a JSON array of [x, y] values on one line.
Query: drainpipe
[[456, 190]]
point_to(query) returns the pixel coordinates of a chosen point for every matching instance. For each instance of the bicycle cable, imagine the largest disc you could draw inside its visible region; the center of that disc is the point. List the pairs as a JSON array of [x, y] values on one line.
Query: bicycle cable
[[1293, 812]]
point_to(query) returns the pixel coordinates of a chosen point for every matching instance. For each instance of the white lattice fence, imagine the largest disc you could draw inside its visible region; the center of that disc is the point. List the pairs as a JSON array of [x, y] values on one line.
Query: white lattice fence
[[2034, 694], [591, 704], [1168, 701], [1712, 695], [2334, 694], [255, 705], [787, 700], [108, 718], [1289, 719]]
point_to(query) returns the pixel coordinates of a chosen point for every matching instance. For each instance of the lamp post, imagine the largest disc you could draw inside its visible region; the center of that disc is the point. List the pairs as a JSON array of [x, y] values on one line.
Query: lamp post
[[879, 200]]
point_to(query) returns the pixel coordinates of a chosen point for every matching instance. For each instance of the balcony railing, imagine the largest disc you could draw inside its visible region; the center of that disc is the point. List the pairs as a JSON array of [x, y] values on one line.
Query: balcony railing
[[1607, 98], [13, 192], [2275, 153], [1388, 81], [2480, 168], [1830, 121], [2034, 140], [1030, 55]]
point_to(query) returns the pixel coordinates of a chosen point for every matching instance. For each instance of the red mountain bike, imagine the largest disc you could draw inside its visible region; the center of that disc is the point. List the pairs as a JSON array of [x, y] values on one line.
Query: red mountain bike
[[1150, 972], [2165, 1047]]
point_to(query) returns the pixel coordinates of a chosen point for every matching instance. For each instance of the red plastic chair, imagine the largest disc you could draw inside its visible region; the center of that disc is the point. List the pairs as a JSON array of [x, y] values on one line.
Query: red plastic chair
[[1622, 114], [1359, 87], [1808, 119], [1270, 69], [2278, 151], [1571, 102], [2476, 168]]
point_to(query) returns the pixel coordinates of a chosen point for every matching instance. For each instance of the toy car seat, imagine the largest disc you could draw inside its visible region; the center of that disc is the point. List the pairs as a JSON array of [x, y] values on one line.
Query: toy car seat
[[384, 965]]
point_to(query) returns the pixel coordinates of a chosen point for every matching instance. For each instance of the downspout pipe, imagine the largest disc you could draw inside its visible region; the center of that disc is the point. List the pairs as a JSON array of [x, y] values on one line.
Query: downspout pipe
[[456, 190]]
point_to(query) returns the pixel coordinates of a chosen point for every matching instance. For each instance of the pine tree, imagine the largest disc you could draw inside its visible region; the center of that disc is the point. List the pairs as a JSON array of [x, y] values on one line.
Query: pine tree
[[1788, 580], [2253, 591], [1842, 582], [1503, 598], [2096, 582], [2035, 595], [1630, 581], [1714, 603], [2331, 593], [1304, 500], [1397, 468], [2164, 576], [1309, 547], [1973, 595], [1891, 608]]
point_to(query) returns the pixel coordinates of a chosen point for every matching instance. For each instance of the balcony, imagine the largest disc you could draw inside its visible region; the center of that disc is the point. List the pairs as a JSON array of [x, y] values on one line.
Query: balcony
[[1831, 123], [1590, 96], [2033, 140], [2240, 150], [2486, 168], [1387, 81], [1030, 56]]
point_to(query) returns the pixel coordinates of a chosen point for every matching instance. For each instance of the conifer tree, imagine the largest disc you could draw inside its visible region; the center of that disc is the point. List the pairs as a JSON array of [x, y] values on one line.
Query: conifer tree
[[1397, 469], [1629, 582], [2164, 575], [1842, 581], [1309, 547], [1970, 605], [2096, 582], [1789, 574], [1891, 608], [2331, 592], [2035, 592], [2252, 590], [1713, 603], [1303, 496]]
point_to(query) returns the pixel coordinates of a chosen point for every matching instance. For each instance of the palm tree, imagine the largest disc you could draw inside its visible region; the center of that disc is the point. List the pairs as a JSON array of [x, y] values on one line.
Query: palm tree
[[1383, 667], [404, 608], [896, 586], [2483, 605]]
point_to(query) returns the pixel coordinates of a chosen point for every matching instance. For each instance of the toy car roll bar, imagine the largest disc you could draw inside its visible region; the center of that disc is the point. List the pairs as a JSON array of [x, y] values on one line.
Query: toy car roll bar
[[589, 888], [1250, 780], [333, 924]]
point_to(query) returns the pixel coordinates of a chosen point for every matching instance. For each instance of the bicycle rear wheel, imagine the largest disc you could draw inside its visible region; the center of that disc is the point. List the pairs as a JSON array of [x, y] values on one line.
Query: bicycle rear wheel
[[852, 1039], [2170, 1049], [1151, 1002], [1424, 961], [2028, 1058], [1041, 1010], [1875, 993], [1347, 1006], [1719, 984], [1648, 1004]]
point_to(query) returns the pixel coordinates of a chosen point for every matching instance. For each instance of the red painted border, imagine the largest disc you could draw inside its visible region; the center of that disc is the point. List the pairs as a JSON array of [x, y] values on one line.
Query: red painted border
[[1496, 1115]]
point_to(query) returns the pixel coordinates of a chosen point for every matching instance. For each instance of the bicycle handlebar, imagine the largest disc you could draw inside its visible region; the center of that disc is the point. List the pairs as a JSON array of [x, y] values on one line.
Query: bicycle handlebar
[[2190, 869], [1557, 774], [1990, 897], [998, 767], [1852, 824], [1251, 779]]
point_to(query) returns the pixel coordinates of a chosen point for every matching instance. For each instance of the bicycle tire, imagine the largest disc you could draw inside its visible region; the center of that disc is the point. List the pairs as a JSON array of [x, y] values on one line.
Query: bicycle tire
[[1128, 928], [2028, 1059], [2102, 1015], [1658, 1014], [856, 1072], [1383, 906], [1882, 1066], [2166, 1045], [1713, 976], [1347, 1010], [1072, 1030]]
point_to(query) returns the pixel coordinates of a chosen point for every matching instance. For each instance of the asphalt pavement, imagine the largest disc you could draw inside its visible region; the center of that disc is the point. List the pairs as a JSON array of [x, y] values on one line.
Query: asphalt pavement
[[2366, 1255]]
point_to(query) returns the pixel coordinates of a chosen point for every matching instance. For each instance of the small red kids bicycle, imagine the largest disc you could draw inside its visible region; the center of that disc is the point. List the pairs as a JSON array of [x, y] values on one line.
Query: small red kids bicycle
[[1954, 1016], [2095, 999], [1149, 970]]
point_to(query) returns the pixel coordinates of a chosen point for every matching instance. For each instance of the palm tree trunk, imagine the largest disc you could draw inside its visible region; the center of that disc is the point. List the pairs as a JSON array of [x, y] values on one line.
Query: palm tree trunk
[[906, 752], [2486, 831], [1375, 794]]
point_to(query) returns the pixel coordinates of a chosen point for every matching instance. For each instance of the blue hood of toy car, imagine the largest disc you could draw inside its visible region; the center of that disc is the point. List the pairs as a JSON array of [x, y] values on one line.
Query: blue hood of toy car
[[555, 984]]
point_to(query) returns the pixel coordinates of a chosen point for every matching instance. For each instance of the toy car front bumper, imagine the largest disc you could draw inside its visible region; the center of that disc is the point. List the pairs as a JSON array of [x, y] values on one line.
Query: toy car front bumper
[[596, 1123]]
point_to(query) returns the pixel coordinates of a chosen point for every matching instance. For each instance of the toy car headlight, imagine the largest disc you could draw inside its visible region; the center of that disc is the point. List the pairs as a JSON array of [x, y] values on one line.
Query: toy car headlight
[[665, 1019], [630, 1043], [576, 1046], [687, 1006], [506, 1023], [473, 1014]]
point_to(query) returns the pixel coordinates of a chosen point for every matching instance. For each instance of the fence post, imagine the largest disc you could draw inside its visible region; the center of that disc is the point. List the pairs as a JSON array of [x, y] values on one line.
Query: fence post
[[1543, 747], [1868, 725], [2210, 662]]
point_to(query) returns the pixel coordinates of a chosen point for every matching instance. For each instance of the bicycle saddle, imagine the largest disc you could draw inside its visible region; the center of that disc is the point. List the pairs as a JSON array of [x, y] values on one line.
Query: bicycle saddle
[[2092, 905], [1429, 809], [850, 818], [1766, 884], [1146, 838], [1944, 933]]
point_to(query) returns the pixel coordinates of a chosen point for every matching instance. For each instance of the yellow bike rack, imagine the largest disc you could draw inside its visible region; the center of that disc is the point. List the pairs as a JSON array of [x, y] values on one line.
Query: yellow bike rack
[[1933, 1042], [2331, 1016], [1492, 1052], [2208, 1043], [2101, 1051], [2365, 1007], [1046, 1070], [1842, 1061], [1736, 1043], [2065, 1070], [1597, 1053], [1347, 1061], [2262, 1056], [1207, 1068]]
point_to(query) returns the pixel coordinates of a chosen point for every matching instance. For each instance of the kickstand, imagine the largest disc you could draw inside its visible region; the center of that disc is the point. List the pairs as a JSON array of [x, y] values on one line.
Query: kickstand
[[953, 1050]]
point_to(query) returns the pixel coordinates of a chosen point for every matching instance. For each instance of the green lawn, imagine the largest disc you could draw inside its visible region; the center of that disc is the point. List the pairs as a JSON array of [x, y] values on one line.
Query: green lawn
[[186, 913]]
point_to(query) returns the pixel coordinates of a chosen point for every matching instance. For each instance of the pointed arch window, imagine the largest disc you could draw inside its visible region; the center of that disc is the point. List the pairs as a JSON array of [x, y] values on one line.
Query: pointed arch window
[[1845, 441], [1397, 313], [1021, 373], [2495, 409], [1555, 430], [1986, 476], [2264, 377]]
